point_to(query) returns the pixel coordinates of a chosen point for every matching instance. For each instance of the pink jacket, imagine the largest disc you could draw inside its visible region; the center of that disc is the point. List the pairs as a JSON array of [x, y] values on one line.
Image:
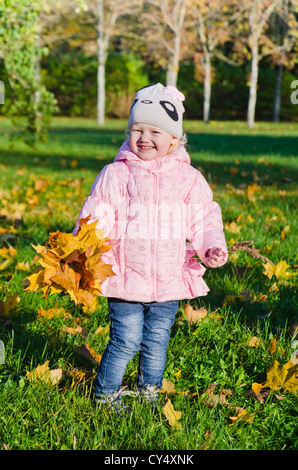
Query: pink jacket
[[158, 214]]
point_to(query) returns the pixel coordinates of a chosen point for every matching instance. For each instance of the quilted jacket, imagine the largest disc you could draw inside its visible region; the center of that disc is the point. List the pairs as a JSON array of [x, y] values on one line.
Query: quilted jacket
[[158, 214]]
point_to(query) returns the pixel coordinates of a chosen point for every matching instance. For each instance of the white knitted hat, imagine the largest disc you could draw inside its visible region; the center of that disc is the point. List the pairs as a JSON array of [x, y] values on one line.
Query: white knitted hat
[[159, 106]]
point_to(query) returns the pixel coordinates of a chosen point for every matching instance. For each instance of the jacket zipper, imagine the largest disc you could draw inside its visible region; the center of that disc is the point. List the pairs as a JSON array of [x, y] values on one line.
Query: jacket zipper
[[155, 234]]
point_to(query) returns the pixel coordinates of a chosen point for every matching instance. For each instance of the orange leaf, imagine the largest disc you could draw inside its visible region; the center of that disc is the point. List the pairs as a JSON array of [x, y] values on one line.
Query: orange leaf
[[73, 265], [77, 330], [273, 345], [194, 315]]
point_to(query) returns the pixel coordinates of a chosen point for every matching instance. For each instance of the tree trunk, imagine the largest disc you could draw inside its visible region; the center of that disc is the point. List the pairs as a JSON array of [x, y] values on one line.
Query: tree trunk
[[277, 95], [253, 85], [101, 66], [173, 66], [207, 86]]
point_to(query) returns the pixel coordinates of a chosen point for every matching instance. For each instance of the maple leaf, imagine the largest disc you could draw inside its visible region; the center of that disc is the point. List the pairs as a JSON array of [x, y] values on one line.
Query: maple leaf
[[280, 376], [279, 271], [73, 265]]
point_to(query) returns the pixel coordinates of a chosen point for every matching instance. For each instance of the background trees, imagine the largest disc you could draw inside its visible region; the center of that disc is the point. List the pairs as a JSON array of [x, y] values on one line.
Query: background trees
[[90, 56]]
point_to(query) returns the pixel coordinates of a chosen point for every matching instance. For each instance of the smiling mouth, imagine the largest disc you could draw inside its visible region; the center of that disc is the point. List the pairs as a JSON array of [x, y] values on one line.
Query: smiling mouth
[[145, 147]]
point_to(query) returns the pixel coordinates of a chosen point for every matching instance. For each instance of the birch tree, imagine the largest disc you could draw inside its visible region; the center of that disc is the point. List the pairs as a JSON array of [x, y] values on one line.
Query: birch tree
[[284, 27], [213, 22], [259, 14], [106, 15], [164, 27]]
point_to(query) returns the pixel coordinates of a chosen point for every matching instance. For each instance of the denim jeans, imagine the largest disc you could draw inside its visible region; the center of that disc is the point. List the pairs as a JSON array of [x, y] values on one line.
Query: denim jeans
[[136, 326]]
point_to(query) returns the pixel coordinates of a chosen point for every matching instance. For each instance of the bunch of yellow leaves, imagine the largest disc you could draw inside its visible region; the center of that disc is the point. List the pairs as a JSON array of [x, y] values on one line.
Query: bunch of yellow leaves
[[73, 265]]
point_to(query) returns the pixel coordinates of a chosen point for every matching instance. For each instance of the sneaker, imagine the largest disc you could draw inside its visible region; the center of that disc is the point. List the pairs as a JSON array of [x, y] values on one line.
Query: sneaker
[[149, 394], [112, 401]]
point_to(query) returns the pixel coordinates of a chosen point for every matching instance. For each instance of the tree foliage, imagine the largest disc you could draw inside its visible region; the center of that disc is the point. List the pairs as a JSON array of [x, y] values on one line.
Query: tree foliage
[[32, 104]]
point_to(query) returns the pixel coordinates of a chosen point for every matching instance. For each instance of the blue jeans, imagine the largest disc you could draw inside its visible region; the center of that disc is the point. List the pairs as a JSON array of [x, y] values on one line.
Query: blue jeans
[[136, 326]]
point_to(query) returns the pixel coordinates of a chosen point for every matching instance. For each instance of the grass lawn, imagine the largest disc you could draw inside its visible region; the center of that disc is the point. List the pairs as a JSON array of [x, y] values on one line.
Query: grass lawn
[[212, 364]]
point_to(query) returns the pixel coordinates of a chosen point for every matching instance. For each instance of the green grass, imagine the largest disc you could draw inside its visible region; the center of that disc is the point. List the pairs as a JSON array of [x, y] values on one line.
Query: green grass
[[42, 190]]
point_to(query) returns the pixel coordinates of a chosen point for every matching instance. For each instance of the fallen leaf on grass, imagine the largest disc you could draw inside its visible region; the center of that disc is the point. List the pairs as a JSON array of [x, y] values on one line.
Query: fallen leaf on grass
[[242, 416], [90, 354], [7, 305], [280, 377], [251, 190], [23, 266], [194, 315], [43, 372], [212, 399], [273, 346], [51, 313], [81, 376], [102, 330], [78, 330], [254, 342], [279, 271], [172, 415], [233, 228], [167, 387]]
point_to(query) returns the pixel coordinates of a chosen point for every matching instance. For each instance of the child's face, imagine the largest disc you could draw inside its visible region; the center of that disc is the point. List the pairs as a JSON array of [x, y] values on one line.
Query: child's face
[[150, 142]]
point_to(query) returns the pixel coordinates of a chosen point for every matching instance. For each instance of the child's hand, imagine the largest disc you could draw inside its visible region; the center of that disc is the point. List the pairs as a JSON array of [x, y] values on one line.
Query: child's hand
[[215, 257]]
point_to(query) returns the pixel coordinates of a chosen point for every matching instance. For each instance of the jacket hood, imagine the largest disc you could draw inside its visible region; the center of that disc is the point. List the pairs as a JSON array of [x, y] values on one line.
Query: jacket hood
[[126, 155]]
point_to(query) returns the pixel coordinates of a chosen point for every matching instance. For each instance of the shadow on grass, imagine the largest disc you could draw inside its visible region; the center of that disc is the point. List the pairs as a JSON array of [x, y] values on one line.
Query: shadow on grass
[[36, 340], [94, 148]]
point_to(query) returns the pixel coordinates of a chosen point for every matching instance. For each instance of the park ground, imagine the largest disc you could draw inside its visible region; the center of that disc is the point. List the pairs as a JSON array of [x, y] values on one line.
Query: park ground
[[214, 363]]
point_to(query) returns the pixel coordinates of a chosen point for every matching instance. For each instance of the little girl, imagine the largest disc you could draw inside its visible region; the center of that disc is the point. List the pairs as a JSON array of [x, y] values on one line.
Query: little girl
[[159, 213]]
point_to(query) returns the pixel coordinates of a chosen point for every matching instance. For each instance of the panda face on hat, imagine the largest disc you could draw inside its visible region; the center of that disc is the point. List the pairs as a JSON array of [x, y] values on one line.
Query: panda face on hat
[[160, 106]]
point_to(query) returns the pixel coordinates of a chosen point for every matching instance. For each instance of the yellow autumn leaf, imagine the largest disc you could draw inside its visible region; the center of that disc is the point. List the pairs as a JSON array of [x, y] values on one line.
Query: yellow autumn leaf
[[167, 387], [102, 330], [232, 227], [43, 372], [283, 376], [172, 415], [242, 416], [257, 387], [279, 271], [280, 376], [81, 376], [51, 312], [252, 190], [254, 342], [7, 305]]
